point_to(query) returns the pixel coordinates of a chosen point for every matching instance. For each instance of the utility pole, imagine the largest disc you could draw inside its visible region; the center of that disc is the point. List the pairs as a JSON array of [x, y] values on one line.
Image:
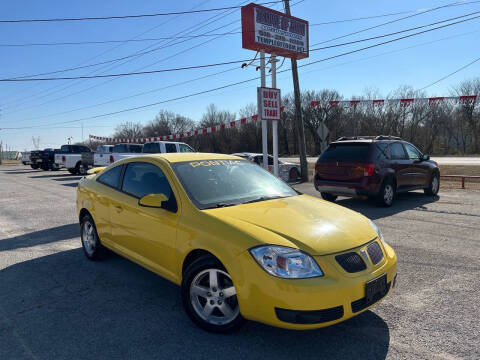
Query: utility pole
[[298, 113]]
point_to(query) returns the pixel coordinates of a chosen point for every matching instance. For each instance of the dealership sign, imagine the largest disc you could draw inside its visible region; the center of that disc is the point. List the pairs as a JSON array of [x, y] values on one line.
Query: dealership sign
[[274, 32], [269, 100]]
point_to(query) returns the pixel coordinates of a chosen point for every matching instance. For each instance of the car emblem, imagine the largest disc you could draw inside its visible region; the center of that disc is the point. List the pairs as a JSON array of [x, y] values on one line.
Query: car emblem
[[364, 254]]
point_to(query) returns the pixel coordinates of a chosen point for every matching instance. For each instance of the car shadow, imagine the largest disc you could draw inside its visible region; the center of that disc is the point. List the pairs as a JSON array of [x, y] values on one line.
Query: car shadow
[[21, 171], [53, 176], [72, 184], [69, 178], [46, 236], [403, 202], [63, 305]]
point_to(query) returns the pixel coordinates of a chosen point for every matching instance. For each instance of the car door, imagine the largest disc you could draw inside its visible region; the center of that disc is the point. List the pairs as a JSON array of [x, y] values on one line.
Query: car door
[[400, 164], [146, 234], [107, 191], [418, 169]]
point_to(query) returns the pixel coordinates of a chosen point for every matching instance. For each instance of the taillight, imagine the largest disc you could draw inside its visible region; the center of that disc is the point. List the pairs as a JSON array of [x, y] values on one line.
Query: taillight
[[64, 159], [368, 169], [111, 159]]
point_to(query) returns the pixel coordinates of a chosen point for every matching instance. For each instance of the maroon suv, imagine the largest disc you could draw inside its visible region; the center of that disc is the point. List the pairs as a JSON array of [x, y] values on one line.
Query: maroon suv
[[378, 167]]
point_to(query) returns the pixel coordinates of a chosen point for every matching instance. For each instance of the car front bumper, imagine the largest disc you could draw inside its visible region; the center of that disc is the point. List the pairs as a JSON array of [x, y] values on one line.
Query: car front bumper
[[307, 303]]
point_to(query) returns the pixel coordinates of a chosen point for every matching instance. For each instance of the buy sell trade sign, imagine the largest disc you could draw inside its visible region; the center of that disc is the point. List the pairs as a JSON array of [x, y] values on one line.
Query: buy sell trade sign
[[270, 102]]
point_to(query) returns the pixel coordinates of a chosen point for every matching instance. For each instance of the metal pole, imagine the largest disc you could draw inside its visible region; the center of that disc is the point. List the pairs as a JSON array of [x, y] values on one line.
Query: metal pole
[[298, 114], [273, 60], [264, 122]]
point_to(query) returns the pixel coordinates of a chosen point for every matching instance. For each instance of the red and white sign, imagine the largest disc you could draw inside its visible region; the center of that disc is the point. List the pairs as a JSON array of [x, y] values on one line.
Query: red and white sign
[[274, 32], [270, 102]]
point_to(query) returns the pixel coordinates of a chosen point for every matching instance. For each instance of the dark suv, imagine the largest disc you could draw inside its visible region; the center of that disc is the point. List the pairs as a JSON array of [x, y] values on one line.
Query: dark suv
[[378, 167]]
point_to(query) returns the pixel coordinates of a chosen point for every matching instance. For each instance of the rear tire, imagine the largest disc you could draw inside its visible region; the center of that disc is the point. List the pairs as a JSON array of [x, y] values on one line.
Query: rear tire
[[92, 247], [72, 171], [328, 196], [211, 304], [386, 195], [34, 166], [434, 186]]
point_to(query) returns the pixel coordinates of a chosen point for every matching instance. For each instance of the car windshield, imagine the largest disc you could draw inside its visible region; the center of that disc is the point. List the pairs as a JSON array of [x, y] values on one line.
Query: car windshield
[[219, 183]]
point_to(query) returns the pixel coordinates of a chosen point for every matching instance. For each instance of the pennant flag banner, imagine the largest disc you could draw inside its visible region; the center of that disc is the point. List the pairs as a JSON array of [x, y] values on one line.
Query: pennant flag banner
[[208, 130], [402, 102]]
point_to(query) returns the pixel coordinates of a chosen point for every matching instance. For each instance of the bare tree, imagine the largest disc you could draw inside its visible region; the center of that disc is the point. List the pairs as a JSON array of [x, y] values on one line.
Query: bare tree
[[128, 130]]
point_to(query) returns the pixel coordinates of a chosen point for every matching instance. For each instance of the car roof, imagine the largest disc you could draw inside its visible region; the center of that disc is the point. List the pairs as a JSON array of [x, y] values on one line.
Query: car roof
[[179, 157]]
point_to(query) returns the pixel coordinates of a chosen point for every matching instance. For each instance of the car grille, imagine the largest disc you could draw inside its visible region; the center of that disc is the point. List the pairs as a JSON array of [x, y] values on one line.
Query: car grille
[[361, 304], [351, 262], [375, 253], [309, 316]]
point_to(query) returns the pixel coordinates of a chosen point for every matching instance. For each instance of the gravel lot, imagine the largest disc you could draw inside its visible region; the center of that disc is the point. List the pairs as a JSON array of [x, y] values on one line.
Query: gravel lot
[[54, 304]]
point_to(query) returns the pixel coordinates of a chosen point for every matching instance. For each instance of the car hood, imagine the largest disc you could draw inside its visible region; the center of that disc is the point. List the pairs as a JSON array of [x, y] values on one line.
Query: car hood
[[313, 225]]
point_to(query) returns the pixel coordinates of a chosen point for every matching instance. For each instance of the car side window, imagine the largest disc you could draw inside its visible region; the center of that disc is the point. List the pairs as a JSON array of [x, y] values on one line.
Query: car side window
[[397, 152], [412, 152], [151, 148], [111, 177], [185, 148], [381, 151], [170, 148], [143, 178]]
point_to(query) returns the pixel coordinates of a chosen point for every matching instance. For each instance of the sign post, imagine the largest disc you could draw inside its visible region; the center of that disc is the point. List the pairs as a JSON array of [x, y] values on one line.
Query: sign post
[[271, 31], [322, 132]]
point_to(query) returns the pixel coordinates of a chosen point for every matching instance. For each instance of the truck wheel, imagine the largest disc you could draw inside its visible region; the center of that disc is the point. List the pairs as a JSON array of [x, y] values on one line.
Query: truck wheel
[[434, 185], [92, 247], [386, 195], [72, 171], [328, 196], [34, 166], [209, 296], [80, 169]]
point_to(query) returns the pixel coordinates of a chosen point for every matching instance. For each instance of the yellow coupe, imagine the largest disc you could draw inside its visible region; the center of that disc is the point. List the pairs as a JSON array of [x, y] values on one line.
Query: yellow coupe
[[241, 243]]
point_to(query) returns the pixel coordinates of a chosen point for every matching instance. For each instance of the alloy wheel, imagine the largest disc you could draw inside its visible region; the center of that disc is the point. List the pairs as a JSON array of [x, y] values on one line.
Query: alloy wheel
[[88, 238], [213, 297], [434, 184], [388, 194]]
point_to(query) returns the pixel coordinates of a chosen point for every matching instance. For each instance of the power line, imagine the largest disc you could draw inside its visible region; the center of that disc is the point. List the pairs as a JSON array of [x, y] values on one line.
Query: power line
[[452, 73], [231, 69], [217, 88], [188, 30], [456, 3], [360, 18], [239, 61], [399, 32], [129, 16], [130, 73]]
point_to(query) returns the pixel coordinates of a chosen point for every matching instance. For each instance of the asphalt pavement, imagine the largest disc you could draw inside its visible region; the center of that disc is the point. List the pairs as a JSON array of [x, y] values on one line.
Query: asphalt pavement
[[55, 304]]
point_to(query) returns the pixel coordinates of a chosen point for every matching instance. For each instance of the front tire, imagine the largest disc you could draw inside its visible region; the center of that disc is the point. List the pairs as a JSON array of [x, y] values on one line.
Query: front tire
[[92, 247], [209, 296], [434, 186], [386, 195], [328, 196]]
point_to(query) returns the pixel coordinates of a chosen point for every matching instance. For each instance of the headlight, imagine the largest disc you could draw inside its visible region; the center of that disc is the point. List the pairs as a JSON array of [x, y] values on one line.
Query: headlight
[[378, 232], [286, 262]]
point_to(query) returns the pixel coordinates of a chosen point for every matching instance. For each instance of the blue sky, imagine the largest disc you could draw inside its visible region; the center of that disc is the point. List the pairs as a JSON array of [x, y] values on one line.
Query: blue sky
[[416, 61]]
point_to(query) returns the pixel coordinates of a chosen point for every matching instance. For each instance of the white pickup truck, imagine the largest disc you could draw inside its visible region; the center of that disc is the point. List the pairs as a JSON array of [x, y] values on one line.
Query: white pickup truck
[[122, 151], [101, 157], [70, 157]]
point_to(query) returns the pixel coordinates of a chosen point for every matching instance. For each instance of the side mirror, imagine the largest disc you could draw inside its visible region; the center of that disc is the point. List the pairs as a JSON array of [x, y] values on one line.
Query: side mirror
[[425, 157], [153, 200]]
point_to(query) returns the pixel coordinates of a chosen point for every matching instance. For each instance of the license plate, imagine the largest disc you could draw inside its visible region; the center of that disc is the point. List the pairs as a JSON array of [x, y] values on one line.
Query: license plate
[[375, 287]]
